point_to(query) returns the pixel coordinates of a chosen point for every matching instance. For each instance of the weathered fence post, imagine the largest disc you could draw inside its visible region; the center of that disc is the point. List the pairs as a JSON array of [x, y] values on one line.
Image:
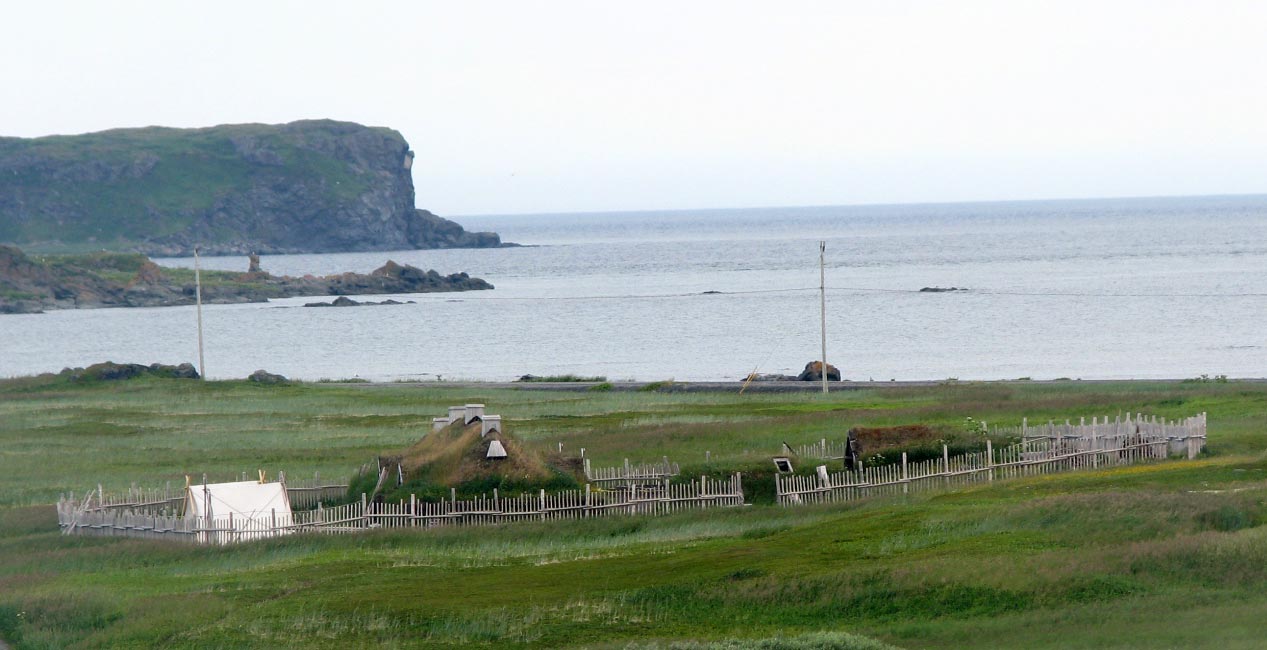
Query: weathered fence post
[[989, 457], [906, 479]]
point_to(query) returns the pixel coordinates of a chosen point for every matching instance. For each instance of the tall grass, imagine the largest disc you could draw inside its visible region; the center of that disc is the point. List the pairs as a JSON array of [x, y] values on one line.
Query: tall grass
[[1158, 555]]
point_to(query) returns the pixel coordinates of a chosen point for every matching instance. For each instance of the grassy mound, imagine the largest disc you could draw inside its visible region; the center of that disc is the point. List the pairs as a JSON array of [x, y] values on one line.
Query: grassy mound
[[456, 458]]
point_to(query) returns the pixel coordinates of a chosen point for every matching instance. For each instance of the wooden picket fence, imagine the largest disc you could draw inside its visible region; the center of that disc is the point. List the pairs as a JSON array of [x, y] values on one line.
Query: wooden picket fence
[[303, 493], [88, 517], [823, 449], [1051, 448], [1186, 437], [630, 474]]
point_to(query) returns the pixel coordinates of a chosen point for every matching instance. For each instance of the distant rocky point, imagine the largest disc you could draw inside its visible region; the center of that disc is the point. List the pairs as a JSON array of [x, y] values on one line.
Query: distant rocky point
[[344, 301], [315, 186], [33, 284]]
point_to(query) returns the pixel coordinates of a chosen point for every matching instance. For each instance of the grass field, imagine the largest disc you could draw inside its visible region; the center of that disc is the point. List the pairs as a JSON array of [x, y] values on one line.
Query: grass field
[[1171, 554]]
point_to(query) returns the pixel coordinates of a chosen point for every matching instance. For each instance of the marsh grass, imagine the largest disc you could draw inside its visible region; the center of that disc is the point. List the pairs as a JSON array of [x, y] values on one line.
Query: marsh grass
[[1157, 555]]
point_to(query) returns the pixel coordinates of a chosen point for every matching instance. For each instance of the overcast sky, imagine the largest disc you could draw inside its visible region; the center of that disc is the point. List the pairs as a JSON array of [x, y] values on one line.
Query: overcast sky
[[570, 106]]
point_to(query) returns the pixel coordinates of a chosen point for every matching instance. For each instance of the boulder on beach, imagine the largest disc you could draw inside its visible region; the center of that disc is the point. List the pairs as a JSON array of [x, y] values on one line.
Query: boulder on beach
[[265, 377], [814, 372]]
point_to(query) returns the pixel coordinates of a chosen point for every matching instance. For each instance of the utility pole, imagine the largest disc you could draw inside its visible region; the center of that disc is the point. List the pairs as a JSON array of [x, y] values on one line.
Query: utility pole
[[822, 300], [202, 365]]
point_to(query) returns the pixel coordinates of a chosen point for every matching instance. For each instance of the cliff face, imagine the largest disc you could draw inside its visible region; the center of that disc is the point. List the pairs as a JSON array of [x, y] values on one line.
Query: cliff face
[[304, 187]]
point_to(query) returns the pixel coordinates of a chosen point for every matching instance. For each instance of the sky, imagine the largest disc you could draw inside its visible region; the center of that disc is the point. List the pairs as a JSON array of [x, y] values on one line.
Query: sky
[[562, 106]]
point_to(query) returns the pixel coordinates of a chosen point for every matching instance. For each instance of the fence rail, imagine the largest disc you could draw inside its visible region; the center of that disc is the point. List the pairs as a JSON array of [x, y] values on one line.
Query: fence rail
[[1051, 448], [629, 474], [303, 493], [83, 517], [1185, 436], [824, 449]]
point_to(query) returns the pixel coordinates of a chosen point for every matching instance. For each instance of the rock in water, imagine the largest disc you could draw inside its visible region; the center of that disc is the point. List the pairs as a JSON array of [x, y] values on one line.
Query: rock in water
[[814, 372], [344, 301], [314, 186]]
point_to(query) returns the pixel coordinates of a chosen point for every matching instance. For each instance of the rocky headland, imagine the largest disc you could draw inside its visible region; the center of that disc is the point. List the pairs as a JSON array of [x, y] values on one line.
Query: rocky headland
[[33, 284], [315, 186]]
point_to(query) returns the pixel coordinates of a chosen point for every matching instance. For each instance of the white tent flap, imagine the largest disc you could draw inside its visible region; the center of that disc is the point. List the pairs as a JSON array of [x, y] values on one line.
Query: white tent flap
[[238, 511]]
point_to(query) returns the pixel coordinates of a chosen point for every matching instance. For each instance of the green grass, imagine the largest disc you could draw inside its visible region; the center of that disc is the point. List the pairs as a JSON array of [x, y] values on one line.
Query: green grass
[[130, 185], [1168, 554]]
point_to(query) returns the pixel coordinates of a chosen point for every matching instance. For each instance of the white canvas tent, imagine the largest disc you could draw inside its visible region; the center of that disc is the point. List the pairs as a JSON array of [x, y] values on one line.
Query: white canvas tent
[[239, 511]]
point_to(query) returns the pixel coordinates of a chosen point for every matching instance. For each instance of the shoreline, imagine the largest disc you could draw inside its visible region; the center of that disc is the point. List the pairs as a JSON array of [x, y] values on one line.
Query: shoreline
[[758, 386]]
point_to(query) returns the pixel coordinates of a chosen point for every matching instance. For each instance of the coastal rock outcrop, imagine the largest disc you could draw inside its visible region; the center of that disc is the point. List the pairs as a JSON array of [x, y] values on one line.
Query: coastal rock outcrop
[[111, 371], [313, 186], [31, 285], [814, 372]]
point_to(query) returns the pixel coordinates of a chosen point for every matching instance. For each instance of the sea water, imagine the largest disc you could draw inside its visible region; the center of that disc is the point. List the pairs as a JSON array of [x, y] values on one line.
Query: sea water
[[1094, 289]]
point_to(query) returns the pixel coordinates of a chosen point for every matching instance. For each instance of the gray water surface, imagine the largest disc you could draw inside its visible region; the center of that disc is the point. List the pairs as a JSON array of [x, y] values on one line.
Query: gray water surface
[[1097, 289]]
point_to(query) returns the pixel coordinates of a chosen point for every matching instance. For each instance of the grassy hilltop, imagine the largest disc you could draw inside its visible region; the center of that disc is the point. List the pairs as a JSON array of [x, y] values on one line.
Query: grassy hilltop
[[1171, 554], [307, 186]]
